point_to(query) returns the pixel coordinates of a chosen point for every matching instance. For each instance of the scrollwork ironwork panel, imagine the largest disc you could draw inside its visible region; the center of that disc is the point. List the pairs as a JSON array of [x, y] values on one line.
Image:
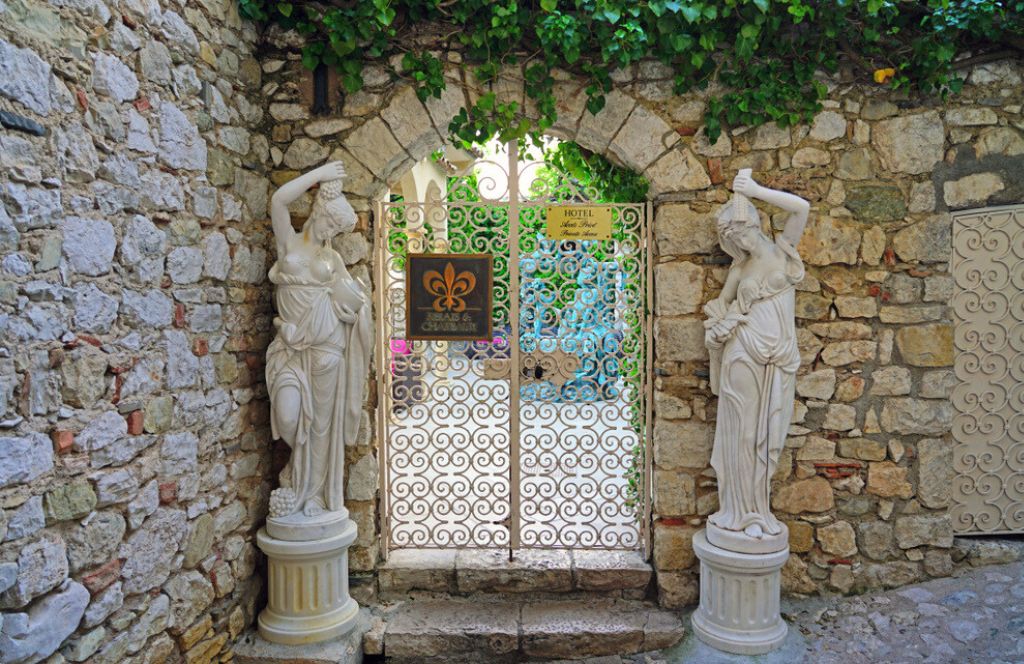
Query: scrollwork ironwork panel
[[988, 427], [581, 409], [446, 417], [551, 453]]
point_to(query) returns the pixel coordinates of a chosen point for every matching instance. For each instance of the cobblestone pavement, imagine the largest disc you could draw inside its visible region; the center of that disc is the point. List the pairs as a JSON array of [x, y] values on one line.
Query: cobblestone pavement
[[976, 617]]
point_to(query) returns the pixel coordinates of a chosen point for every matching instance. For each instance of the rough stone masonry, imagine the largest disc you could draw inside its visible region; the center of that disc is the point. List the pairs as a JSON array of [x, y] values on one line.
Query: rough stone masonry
[[135, 455], [134, 449]]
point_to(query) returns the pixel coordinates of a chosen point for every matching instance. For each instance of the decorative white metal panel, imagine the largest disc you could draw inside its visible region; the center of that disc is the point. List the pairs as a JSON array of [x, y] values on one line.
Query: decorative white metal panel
[[553, 455], [988, 428]]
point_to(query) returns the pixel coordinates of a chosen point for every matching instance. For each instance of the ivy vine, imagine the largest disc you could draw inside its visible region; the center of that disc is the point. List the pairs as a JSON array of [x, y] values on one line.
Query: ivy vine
[[765, 54]]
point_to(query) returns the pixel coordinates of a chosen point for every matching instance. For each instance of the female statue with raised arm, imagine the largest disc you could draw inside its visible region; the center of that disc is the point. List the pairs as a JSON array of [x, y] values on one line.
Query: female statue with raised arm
[[751, 334], [317, 365]]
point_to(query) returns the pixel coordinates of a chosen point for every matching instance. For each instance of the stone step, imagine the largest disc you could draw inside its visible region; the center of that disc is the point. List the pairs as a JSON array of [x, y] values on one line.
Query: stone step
[[481, 630], [543, 573]]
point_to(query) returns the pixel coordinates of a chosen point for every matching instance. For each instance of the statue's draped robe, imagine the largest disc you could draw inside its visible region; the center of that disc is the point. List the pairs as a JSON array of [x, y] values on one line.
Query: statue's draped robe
[[756, 386], [327, 361]]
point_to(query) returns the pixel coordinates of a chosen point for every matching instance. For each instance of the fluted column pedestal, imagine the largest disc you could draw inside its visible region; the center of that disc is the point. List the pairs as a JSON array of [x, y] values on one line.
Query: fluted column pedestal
[[739, 599], [307, 586]]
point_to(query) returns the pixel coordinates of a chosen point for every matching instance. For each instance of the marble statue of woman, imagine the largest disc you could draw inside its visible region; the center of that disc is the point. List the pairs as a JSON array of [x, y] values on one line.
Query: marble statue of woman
[[318, 362], [751, 336]]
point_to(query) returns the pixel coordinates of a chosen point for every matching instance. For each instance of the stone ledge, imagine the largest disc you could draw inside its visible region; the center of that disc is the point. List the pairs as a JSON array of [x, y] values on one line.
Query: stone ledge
[[615, 573], [498, 631]]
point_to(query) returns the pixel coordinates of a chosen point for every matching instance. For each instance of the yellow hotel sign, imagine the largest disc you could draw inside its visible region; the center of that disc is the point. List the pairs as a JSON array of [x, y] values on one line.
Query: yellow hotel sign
[[579, 222]]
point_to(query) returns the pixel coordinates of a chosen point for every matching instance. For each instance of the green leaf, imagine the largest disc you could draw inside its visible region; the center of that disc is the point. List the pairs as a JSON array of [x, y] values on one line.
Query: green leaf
[[690, 13], [486, 102], [549, 5], [285, 8]]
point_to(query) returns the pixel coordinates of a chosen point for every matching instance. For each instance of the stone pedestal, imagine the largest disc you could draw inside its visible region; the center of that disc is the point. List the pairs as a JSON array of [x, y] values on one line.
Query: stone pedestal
[[307, 588], [739, 599]]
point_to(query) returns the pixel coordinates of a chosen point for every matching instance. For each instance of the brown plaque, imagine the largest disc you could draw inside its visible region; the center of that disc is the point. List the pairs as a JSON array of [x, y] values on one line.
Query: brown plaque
[[448, 297]]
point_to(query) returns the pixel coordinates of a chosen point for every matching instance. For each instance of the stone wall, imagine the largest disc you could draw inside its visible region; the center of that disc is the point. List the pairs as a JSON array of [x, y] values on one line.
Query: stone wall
[[864, 481], [135, 460], [134, 315]]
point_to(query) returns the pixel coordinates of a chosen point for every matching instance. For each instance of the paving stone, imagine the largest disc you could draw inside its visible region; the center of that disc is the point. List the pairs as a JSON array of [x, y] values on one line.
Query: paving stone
[[446, 628], [531, 571], [572, 629], [610, 570]]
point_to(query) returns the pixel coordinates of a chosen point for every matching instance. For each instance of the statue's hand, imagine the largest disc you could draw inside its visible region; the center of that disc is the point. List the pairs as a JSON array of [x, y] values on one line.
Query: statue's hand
[[744, 184], [715, 309], [334, 170], [287, 330], [348, 295]]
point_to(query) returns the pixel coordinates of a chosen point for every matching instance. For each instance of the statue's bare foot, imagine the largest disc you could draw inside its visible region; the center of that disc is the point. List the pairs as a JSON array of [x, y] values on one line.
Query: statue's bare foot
[[313, 507], [754, 530]]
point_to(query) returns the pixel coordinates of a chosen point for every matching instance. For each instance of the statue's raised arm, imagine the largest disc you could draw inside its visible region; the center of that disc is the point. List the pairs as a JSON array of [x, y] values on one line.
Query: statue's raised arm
[[797, 207], [290, 191]]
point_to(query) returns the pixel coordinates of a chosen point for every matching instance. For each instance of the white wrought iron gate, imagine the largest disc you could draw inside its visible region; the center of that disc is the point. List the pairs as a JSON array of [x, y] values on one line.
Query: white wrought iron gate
[[554, 454], [988, 425]]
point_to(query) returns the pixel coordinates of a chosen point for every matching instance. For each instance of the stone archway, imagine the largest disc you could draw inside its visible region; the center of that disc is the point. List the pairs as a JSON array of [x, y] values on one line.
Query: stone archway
[[404, 130], [625, 131]]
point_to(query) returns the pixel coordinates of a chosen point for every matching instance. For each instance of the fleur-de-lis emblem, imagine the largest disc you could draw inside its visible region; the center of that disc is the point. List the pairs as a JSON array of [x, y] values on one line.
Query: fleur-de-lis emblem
[[450, 289]]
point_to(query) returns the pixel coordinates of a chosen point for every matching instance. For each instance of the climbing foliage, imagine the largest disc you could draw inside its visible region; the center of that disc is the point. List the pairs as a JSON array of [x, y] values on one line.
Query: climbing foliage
[[767, 56]]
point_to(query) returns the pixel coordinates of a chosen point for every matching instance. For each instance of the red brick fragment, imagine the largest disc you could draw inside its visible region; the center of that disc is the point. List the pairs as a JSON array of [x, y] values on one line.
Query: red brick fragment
[[62, 441], [715, 170], [200, 347], [134, 420], [686, 131], [179, 315], [168, 492], [836, 470], [889, 256], [83, 101], [673, 521], [840, 561], [129, 21], [142, 104], [103, 576], [91, 340]]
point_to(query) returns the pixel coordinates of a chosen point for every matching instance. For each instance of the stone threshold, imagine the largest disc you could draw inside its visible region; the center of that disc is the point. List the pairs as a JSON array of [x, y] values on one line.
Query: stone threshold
[[493, 631], [465, 572]]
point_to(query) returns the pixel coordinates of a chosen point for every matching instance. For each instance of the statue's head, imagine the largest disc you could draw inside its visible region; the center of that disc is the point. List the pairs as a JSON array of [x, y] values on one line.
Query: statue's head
[[739, 227], [331, 213]]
